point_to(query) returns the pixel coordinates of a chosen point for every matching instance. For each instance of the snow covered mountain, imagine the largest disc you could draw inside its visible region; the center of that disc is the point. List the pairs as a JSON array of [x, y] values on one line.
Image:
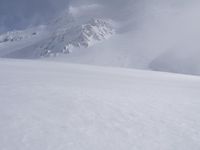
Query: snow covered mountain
[[64, 39], [98, 41], [60, 36]]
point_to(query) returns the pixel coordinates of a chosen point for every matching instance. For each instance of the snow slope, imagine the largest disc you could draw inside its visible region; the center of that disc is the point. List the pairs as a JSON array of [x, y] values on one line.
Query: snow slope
[[59, 106]]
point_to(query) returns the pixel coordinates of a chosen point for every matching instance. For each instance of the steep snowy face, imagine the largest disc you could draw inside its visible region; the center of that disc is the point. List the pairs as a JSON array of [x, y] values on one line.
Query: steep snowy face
[[63, 40]]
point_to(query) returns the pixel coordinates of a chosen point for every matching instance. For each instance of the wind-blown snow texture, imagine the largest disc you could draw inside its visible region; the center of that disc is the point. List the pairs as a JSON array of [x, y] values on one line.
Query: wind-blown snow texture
[[59, 106]]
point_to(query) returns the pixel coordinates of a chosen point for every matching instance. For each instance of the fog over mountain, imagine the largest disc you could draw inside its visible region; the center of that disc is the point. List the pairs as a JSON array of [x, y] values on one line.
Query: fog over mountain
[[148, 32]]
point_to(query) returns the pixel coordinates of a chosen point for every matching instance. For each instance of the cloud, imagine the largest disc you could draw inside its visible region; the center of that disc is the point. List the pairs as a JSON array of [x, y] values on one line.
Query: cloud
[[85, 10], [21, 13], [115, 9], [18, 14]]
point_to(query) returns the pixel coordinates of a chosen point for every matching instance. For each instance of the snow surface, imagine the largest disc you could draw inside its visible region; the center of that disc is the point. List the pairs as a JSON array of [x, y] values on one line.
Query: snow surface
[[60, 106]]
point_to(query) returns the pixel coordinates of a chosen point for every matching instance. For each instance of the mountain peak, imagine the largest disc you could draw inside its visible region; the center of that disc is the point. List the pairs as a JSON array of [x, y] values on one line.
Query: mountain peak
[[60, 36], [64, 39]]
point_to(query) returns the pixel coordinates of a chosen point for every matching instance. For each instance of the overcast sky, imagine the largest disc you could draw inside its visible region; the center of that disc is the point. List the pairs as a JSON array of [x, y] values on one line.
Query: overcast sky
[[18, 14]]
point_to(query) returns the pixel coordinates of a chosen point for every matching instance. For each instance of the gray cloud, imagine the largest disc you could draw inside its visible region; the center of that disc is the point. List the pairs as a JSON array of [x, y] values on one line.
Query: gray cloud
[[16, 14], [116, 9]]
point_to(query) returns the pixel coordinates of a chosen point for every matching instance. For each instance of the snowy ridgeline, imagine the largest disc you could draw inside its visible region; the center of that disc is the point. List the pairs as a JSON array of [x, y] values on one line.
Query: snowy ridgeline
[[59, 106], [56, 38]]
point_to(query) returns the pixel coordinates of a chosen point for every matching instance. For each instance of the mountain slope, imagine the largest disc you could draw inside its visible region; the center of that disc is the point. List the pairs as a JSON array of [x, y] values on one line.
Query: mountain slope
[[57, 106], [55, 38], [102, 42], [85, 35]]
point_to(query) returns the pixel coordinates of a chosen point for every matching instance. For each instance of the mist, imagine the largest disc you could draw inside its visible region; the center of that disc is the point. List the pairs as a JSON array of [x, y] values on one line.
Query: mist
[[162, 35], [169, 33], [156, 34]]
